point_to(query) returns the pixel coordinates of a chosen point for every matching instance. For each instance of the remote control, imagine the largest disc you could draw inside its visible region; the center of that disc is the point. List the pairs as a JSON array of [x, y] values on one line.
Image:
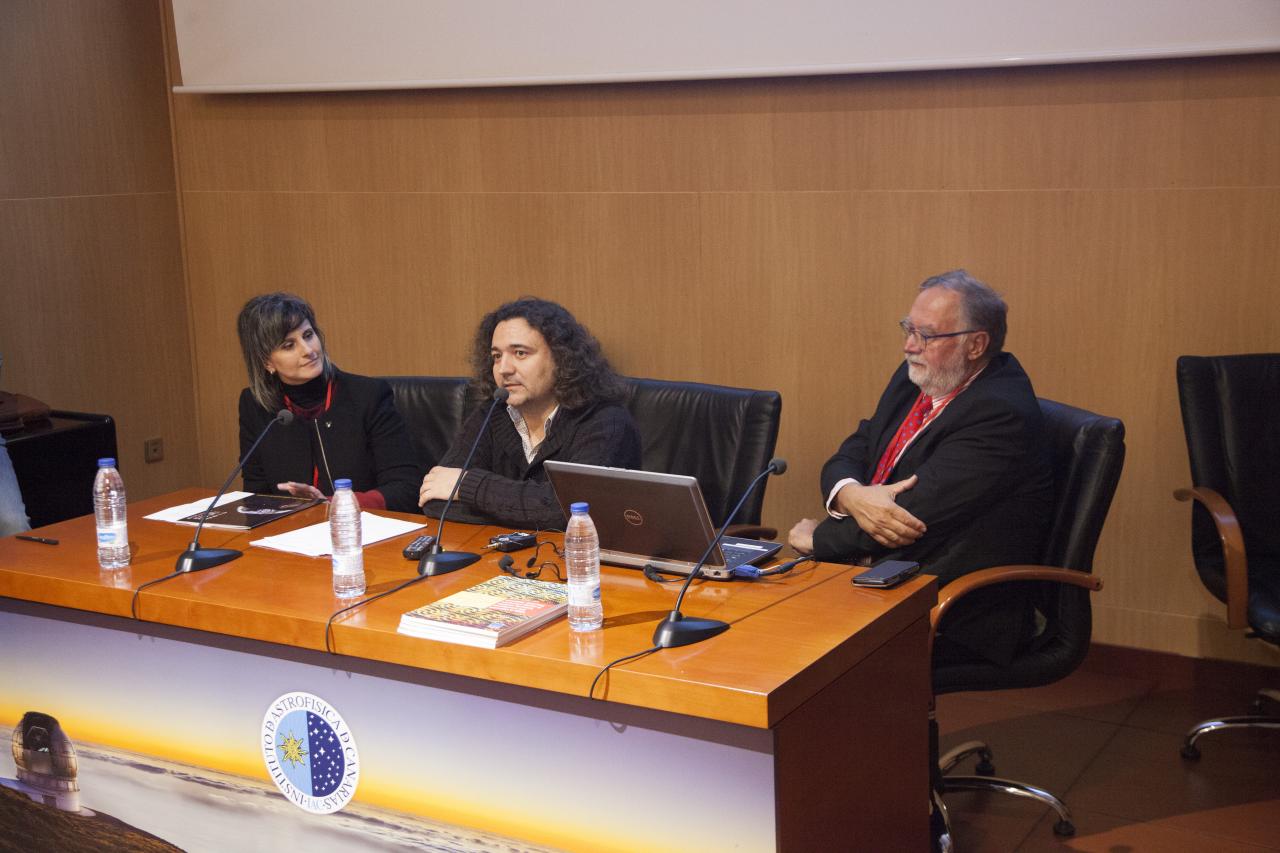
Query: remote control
[[415, 549]]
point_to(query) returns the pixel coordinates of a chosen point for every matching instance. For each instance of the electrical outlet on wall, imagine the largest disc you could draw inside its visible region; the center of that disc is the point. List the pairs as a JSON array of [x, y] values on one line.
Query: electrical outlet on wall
[[153, 450]]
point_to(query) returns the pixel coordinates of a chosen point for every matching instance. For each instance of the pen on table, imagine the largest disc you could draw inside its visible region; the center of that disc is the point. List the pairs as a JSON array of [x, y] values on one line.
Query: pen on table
[[42, 540]]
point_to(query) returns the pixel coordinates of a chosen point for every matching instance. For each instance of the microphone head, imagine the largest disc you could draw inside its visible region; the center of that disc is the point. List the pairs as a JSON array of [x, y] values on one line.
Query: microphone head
[[284, 416], [778, 464], [505, 562], [501, 394]]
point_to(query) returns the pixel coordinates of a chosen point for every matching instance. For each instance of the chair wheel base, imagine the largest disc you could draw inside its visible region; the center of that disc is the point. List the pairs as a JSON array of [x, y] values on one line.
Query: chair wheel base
[[985, 768], [1191, 752], [1064, 829]]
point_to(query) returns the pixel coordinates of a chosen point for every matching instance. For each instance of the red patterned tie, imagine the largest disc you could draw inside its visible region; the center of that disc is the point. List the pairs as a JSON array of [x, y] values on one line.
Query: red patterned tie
[[910, 426]]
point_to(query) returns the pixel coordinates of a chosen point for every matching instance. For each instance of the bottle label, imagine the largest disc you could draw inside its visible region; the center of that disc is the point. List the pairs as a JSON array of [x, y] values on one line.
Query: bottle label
[[348, 564], [115, 534], [583, 595]]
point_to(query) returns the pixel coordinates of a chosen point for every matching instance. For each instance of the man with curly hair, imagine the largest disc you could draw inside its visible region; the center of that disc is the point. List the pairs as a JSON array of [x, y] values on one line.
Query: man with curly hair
[[565, 403]]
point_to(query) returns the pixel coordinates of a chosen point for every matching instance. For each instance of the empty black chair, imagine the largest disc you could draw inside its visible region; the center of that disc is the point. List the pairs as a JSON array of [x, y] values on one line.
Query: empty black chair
[[1230, 412], [1087, 456], [432, 408], [722, 436]]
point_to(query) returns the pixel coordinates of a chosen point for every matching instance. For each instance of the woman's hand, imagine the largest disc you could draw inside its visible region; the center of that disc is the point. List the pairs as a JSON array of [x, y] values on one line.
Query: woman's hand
[[301, 490]]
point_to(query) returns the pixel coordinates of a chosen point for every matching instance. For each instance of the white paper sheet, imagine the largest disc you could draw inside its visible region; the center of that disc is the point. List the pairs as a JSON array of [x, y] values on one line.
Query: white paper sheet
[[313, 541]]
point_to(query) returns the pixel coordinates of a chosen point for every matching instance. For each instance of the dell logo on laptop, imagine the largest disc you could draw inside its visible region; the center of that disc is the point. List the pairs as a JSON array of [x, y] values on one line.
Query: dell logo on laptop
[[633, 517]]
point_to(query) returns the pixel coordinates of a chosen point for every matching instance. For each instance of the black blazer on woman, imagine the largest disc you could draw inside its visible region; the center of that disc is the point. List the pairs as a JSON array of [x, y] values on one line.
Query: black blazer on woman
[[363, 436]]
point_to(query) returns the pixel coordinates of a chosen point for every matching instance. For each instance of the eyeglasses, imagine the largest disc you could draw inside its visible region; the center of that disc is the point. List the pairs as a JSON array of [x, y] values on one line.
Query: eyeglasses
[[909, 331]]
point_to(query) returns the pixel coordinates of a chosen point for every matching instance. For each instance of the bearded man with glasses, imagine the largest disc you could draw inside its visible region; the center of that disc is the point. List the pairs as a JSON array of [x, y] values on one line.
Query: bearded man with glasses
[[950, 471]]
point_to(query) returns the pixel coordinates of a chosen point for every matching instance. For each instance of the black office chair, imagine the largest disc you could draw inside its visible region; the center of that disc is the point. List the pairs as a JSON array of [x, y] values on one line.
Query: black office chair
[[432, 408], [1230, 409], [722, 436], [1087, 455]]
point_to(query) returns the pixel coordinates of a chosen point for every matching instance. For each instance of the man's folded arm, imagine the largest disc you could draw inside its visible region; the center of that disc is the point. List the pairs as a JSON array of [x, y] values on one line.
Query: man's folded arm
[[975, 467], [964, 475], [848, 463]]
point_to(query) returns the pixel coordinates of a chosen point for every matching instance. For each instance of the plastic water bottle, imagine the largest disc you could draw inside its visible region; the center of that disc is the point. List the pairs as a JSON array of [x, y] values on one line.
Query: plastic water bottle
[[348, 547], [582, 557], [109, 511]]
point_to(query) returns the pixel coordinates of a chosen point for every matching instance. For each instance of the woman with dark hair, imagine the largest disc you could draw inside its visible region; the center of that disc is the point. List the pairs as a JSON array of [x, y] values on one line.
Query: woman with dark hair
[[564, 403], [345, 425]]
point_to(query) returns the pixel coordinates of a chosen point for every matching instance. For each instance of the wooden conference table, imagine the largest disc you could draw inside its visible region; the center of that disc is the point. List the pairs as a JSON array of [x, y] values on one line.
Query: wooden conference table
[[818, 692]]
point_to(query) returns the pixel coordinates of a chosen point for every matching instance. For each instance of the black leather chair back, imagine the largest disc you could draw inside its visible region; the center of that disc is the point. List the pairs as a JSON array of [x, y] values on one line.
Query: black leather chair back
[[1231, 416], [722, 436], [1087, 455], [432, 408]]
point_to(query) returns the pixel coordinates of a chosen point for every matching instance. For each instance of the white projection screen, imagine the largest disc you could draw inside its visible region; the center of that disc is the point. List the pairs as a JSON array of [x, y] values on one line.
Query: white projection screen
[[327, 45]]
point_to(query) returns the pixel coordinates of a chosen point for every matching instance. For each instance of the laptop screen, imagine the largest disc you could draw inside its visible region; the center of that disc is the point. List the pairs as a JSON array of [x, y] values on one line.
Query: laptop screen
[[640, 516]]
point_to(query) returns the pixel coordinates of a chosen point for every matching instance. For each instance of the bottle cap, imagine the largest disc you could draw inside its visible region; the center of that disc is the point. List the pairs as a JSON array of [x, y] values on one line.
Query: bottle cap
[[580, 506], [106, 462], [342, 483]]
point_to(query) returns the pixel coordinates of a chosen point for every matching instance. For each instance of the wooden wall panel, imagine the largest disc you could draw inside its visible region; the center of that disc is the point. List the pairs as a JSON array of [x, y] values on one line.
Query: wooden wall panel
[[95, 321], [403, 291], [769, 233], [82, 109], [1117, 125], [1157, 124], [658, 137], [93, 315]]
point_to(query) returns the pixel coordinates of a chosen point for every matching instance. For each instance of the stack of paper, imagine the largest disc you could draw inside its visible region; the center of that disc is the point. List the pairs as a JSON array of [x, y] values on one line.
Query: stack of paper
[[313, 541]]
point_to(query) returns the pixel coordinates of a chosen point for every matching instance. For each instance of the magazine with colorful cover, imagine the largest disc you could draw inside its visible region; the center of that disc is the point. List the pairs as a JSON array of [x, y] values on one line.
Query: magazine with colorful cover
[[489, 614], [250, 511]]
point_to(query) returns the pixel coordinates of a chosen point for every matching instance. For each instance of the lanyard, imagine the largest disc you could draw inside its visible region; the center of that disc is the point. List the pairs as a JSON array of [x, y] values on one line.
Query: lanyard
[[328, 401]]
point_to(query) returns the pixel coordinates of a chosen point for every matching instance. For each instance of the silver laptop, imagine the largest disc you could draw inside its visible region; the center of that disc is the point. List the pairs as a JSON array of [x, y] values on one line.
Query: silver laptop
[[646, 518]]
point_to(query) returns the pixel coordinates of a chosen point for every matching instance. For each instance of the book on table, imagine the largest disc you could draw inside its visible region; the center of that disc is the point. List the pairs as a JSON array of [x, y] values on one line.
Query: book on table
[[489, 614], [250, 511]]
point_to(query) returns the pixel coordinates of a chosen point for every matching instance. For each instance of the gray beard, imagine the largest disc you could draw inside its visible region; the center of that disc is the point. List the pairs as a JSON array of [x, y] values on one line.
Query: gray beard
[[941, 381]]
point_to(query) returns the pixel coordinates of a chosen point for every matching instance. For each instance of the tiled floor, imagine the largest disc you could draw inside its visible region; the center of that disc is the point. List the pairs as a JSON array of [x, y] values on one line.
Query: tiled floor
[[1109, 746]]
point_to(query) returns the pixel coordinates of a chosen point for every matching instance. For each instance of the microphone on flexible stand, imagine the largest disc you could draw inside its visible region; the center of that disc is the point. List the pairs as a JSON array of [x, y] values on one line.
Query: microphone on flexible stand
[[439, 562], [195, 558], [680, 630]]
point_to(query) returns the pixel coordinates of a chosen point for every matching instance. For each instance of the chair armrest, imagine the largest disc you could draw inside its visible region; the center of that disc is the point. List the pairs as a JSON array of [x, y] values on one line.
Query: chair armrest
[[1233, 555], [961, 587], [752, 531]]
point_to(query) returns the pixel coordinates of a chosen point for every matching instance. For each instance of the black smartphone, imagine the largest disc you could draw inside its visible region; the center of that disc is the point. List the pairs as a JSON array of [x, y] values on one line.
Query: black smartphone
[[513, 541], [886, 573], [415, 549]]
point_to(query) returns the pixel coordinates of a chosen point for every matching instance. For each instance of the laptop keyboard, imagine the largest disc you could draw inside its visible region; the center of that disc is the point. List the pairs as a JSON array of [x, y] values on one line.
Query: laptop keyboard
[[738, 555]]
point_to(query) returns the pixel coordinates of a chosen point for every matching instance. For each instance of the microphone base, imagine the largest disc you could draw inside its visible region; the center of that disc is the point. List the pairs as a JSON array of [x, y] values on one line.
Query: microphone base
[[198, 559], [680, 630], [444, 562]]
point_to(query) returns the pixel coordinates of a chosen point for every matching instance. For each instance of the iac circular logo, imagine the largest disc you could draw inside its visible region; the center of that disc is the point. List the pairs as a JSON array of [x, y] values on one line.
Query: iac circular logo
[[310, 753], [633, 517]]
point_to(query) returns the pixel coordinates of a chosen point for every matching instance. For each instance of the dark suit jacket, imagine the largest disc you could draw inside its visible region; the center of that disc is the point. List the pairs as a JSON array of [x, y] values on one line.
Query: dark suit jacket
[[984, 493], [503, 487], [364, 439]]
